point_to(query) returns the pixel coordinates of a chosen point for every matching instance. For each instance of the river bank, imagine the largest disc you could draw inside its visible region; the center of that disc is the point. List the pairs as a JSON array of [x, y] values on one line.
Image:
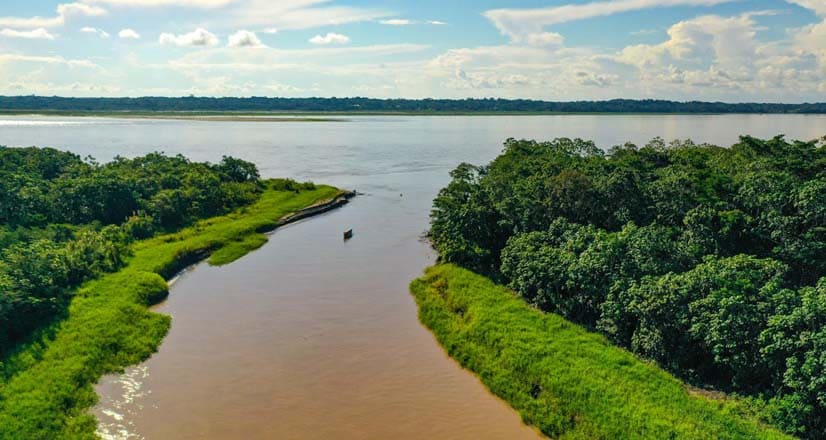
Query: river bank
[[568, 382], [49, 389]]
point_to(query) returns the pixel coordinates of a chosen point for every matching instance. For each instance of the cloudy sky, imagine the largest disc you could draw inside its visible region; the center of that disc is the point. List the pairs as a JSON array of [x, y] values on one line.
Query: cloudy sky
[[730, 50]]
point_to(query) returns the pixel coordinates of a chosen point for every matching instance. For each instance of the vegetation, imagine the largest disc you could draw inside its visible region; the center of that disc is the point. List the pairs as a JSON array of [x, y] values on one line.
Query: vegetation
[[710, 261], [568, 382], [369, 105], [60, 338], [64, 220]]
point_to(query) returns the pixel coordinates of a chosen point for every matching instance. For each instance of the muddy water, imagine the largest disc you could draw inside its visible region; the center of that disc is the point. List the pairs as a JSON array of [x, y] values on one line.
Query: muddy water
[[308, 338], [311, 337]]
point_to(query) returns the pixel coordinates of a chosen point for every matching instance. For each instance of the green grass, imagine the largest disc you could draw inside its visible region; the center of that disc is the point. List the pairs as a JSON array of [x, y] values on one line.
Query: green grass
[[46, 388], [570, 383]]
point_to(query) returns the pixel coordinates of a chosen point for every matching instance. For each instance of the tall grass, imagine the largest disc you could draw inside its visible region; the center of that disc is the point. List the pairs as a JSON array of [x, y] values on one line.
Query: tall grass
[[569, 383], [46, 388]]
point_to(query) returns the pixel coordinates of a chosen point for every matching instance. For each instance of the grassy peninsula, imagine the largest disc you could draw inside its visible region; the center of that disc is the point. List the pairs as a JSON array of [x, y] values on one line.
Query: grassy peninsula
[[568, 382], [48, 386], [87, 248]]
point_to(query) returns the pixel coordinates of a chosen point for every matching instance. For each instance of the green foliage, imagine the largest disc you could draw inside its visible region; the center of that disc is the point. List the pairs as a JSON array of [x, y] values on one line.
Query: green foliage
[[695, 256], [290, 185], [64, 220], [569, 383], [463, 207], [796, 339], [46, 386], [42, 186]]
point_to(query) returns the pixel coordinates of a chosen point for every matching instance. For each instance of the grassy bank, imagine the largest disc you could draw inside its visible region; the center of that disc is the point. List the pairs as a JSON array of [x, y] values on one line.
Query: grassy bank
[[568, 382], [46, 388]]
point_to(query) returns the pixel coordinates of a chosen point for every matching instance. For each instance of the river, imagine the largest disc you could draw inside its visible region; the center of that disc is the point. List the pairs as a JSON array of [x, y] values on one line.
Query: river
[[312, 337]]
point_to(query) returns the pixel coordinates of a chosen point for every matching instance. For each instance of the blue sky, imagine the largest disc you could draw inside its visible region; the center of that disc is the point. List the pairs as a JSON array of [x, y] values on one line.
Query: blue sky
[[730, 50]]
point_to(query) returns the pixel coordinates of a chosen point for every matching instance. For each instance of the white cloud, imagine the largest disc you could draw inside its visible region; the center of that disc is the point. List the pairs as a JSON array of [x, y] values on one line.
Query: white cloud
[[318, 59], [21, 85], [726, 41], [546, 39], [518, 24], [198, 37], [520, 71], [16, 58], [406, 22], [817, 6], [63, 12], [811, 40], [330, 38], [713, 56], [129, 34], [81, 9], [707, 57], [34, 34], [396, 22], [90, 30], [271, 31], [244, 39], [160, 3], [299, 14]]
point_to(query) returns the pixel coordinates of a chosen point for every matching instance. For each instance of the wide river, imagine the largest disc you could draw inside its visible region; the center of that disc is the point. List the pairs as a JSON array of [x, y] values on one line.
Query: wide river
[[311, 337]]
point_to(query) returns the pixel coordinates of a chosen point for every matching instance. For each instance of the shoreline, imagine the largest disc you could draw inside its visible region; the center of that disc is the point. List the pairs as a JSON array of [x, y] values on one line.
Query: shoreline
[[322, 207], [533, 361], [317, 209], [277, 116], [110, 324]]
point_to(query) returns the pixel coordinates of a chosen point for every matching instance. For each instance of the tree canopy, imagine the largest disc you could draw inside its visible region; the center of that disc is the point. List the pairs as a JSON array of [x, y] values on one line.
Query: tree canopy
[[709, 260], [64, 220]]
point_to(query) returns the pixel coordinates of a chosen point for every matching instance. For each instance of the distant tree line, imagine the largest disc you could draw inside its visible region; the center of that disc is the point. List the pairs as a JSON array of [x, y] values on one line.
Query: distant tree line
[[64, 220], [710, 261], [263, 104]]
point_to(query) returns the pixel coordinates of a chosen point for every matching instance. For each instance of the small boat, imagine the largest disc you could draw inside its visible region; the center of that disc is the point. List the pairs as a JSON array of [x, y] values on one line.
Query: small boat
[[348, 234]]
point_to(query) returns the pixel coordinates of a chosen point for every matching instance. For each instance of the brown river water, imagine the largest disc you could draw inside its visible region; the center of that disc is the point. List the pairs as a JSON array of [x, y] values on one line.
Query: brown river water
[[311, 337]]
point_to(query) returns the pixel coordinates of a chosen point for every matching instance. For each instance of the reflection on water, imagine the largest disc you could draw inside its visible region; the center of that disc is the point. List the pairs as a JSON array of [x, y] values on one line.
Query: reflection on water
[[311, 337], [120, 403]]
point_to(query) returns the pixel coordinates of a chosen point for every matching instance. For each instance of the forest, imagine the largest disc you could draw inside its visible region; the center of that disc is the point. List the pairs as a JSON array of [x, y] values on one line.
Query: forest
[[65, 220], [710, 261], [55, 104]]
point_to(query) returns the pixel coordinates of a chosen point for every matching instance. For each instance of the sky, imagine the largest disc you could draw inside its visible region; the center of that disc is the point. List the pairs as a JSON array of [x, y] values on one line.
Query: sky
[[727, 50]]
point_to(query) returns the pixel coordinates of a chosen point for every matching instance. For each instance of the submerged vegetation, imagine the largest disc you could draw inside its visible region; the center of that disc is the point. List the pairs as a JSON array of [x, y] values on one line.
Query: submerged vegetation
[[568, 382], [75, 296], [710, 261]]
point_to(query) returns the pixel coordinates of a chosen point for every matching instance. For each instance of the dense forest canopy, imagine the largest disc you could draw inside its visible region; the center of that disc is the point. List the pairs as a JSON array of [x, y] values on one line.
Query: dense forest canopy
[[490, 105], [709, 260], [64, 220]]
